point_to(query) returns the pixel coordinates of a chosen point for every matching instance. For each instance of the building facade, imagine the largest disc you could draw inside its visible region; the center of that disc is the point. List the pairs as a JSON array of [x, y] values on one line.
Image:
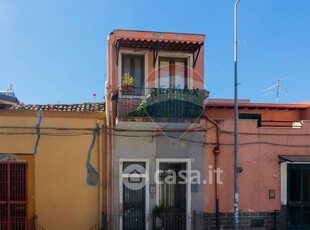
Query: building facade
[[154, 137], [153, 144], [274, 156], [51, 163]]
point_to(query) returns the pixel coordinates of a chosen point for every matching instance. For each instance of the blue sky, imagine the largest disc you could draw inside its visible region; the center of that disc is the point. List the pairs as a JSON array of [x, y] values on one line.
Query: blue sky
[[55, 50]]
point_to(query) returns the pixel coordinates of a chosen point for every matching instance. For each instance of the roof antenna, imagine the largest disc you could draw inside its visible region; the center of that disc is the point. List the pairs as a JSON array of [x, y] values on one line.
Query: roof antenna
[[277, 86], [10, 89]]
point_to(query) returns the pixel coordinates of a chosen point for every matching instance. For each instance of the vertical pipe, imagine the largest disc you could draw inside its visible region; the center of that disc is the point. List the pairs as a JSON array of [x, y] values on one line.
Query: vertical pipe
[[216, 152], [236, 186], [100, 124]]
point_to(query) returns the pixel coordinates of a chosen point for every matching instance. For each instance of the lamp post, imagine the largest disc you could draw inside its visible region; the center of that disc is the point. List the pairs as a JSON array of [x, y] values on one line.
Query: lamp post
[[236, 186]]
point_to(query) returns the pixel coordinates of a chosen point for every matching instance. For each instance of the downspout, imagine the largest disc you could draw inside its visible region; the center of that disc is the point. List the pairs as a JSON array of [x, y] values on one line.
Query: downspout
[[100, 124], [106, 164], [112, 170], [216, 152]]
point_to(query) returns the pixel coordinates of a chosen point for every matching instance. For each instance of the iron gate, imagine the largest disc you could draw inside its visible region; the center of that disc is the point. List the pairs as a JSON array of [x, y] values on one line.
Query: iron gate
[[134, 180], [13, 195]]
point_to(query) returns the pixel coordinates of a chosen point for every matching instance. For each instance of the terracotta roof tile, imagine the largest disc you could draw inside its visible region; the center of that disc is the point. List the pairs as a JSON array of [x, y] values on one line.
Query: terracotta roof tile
[[85, 107]]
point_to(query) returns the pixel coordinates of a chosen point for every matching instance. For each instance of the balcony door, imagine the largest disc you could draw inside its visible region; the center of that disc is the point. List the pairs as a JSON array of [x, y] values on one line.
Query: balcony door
[[134, 65], [172, 73], [172, 188], [173, 193]]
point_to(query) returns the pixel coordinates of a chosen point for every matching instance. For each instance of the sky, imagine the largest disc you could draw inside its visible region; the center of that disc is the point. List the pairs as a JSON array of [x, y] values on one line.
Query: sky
[[54, 51]]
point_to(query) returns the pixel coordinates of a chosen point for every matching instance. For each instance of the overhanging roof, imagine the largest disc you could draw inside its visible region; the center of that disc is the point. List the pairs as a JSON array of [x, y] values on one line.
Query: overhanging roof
[[158, 44], [294, 158], [187, 46], [157, 41]]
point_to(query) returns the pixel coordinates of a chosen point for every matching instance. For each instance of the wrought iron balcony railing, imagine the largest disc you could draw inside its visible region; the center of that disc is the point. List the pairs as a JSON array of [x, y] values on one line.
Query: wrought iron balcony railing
[[161, 102]]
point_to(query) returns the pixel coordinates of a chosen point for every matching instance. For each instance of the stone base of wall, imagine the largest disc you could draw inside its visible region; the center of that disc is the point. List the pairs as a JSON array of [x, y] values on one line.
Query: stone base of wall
[[247, 220]]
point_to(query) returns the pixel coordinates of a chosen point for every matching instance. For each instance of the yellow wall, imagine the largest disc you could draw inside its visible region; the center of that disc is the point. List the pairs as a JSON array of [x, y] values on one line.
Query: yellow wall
[[57, 189], [20, 145]]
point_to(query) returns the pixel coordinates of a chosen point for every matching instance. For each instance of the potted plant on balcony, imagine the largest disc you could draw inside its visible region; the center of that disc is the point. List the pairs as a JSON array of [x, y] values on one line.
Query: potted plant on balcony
[[159, 216], [128, 81]]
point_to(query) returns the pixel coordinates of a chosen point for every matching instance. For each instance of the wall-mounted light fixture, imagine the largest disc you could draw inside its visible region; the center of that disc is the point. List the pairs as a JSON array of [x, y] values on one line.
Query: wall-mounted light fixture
[[272, 194]]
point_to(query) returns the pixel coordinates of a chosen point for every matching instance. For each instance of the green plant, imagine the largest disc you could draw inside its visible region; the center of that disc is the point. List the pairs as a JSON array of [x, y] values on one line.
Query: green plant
[[160, 209], [171, 103], [128, 80]]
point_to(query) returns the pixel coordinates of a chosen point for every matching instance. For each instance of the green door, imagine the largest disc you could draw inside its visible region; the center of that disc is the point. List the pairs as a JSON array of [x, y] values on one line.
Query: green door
[[134, 182], [298, 195]]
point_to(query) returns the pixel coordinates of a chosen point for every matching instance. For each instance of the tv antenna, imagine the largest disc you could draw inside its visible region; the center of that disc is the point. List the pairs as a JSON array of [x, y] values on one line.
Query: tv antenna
[[277, 88], [10, 89]]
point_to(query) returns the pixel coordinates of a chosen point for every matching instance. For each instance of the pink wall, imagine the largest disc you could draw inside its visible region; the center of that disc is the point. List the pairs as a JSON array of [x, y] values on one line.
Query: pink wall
[[259, 160], [198, 73]]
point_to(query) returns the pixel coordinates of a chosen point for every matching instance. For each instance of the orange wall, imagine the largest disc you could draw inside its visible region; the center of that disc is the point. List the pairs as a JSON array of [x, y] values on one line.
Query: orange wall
[[22, 146], [57, 189]]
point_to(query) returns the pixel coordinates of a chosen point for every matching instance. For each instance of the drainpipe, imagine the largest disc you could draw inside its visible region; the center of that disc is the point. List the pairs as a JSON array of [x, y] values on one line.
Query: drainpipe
[[100, 124], [107, 169], [110, 169], [216, 152]]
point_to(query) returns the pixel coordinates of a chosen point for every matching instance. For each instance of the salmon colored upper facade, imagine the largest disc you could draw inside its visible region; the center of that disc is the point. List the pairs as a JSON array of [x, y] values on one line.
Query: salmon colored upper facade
[[275, 131], [147, 44], [155, 60]]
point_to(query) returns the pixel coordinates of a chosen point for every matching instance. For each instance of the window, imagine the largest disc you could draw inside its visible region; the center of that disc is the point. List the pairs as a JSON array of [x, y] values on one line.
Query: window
[[13, 195], [134, 65], [257, 117], [172, 73]]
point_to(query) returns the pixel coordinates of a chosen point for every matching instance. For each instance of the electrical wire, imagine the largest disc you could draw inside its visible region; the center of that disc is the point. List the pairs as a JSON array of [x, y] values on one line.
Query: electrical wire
[[120, 133]]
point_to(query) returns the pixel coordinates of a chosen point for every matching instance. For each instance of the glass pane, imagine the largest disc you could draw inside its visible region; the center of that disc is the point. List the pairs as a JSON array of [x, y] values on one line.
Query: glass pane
[[126, 64], [179, 78], [129, 167], [164, 74], [172, 189], [134, 65], [306, 184], [294, 185], [138, 71]]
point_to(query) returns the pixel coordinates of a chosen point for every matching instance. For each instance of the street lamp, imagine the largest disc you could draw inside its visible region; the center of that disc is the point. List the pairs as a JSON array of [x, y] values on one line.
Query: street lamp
[[236, 186]]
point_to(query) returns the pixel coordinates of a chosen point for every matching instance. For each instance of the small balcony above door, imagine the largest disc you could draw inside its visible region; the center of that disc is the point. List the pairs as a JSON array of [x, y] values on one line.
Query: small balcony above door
[[161, 105]]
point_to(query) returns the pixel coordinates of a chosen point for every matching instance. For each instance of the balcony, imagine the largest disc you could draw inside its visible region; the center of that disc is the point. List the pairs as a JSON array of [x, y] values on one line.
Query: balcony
[[160, 104]]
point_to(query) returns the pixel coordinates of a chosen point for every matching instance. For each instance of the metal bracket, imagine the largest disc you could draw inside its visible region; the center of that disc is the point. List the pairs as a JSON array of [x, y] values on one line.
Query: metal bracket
[[282, 160], [195, 56], [155, 54]]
